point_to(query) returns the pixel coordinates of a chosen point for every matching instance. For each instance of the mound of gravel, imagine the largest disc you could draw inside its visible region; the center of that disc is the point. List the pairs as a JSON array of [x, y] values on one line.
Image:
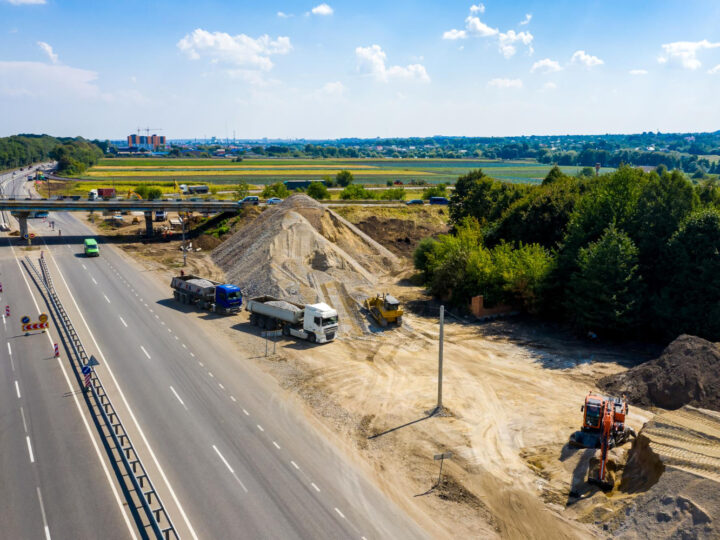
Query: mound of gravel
[[686, 373], [293, 250]]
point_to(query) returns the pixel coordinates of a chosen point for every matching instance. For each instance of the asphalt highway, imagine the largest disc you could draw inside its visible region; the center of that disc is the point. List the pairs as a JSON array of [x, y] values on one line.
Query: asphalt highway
[[56, 481], [229, 457]]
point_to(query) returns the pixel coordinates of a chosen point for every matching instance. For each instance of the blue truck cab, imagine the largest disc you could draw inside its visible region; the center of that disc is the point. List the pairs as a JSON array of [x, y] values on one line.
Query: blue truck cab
[[228, 297]]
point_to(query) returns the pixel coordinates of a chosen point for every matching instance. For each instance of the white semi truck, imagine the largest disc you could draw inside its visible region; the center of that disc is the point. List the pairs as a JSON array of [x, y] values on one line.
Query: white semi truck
[[317, 323]]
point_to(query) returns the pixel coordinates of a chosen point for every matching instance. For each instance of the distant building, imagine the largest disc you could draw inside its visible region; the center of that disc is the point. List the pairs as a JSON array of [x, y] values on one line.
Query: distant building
[[147, 142]]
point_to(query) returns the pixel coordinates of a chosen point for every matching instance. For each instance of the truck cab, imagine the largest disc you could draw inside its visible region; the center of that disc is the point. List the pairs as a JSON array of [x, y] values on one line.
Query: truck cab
[[228, 297], [321, 321]]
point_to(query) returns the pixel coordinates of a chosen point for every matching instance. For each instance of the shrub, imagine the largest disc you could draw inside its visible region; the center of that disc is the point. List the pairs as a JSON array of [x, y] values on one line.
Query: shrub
[[356, 192], [317, 190]]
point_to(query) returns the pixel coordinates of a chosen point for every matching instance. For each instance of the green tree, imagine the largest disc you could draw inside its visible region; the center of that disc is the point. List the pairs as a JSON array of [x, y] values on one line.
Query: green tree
[[154, 193], [356, 192], [689, 301], [142, 190], [553, 176], [606, 291], [482, 198], [394, 194], [318, 190], [278, 189], [242, 190], [344, 178]]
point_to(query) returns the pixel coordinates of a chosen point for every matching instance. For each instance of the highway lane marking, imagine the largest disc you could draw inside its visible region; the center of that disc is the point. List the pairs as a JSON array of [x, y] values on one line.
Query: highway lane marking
[[229, 468], [184, 346], [340, 513], [201, 364], [233, 398], [315, 487], [178, 398], [9, 349], [84, 267], [162, 322], [156, 315], [295, 465], [221, 386], [276, 445], [127, 405], [177, 337], [246, 413], [191, 354], [17, 389], [95, 282], [106, 298], [42, 512], [146, 353], [151, 311], [211, 374], [123, 321], [260, 427], [169, 330], [32, 457], [22, 413]]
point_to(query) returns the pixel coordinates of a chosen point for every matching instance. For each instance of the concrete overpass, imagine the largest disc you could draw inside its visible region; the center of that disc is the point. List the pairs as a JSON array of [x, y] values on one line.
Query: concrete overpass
[[21, 209]]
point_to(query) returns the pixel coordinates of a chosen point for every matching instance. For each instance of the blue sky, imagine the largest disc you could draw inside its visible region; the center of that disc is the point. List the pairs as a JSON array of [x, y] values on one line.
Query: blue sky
[[338, 69]]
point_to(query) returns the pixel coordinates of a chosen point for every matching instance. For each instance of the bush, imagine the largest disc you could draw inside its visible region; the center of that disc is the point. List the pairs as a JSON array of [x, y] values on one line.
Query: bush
[[154, 193], [317, 190], [344, 178], [356, 192], [439, 190], [242, 190], [278, 189], [394, 194]]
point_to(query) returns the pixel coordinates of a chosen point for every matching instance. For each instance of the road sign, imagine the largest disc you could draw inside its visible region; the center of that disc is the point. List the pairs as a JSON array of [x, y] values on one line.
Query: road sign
[[7, 311], [25, 236], [43, 317], [86, 370], [32, 235], [93, 361], [57, 349], [271, 333], [25, 319], [445, 455], [34, 326]]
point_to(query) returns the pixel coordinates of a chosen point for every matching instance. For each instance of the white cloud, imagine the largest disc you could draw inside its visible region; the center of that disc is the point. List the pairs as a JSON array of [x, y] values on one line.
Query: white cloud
[[505, 83], [335, 89], [37, 79], [372, 60], [581, 57], [528, 18], [546, 66], [685, 52], [638, 72], [240, 50], [284, 15], [508, 39], [322, 9], [26, 2], [714, 70], [477, 8], [549, 86], [133, 78], [455, 34], [478, 28], [47, 49]]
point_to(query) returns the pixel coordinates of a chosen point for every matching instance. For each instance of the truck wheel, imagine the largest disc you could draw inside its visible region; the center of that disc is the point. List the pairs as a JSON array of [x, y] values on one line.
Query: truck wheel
[[175, 295], [312, 338], [399, 321], [286, 330], [253, 319]]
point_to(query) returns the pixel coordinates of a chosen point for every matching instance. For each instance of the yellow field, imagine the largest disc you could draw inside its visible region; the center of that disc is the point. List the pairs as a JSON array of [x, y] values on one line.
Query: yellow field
[[239, 166], [93, 173]]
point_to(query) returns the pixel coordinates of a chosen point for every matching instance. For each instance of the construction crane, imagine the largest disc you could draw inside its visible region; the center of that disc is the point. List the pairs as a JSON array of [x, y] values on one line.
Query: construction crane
[[147, 130]]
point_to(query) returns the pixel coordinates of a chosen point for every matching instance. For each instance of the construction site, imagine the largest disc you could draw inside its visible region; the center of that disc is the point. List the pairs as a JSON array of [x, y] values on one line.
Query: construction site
[[546, 435]]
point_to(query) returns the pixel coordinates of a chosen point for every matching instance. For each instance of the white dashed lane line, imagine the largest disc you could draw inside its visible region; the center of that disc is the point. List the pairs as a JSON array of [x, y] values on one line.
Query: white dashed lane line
[[106, 298], [260, 427], [178, 398], [123, 321], [276, 445], [315, 487], [17, 389], [229, 467], [246, 413], [29, 445], [146, 353], [233, 398], [93, 280], [339, 513], [295, 465]]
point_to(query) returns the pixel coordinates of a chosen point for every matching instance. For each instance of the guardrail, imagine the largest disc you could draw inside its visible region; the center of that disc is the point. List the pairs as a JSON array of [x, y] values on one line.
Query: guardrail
[[146, 501]]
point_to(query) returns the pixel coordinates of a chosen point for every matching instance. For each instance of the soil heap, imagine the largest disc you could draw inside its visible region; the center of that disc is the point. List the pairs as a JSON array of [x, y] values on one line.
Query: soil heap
[[686, 373], [298, 250]]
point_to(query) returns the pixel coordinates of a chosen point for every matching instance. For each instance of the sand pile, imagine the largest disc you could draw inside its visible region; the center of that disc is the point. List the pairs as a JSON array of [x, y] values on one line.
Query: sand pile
[[687, 373], [673, 473], [295, 248]]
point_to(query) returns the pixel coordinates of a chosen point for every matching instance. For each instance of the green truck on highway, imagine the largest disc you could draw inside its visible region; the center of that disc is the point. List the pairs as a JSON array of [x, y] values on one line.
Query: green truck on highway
[[91, 248]]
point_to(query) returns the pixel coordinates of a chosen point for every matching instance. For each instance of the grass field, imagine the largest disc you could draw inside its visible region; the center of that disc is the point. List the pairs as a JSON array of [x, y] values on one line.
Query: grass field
[[267, 171]]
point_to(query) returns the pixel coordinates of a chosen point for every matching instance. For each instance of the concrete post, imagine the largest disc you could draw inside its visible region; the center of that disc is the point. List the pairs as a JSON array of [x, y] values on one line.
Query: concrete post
[[149, 223], [22, 218], [440, 359]]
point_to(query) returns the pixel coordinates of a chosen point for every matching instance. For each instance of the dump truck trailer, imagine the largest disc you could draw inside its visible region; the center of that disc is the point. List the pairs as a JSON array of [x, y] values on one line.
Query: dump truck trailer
[[317, 323], [207, 294]]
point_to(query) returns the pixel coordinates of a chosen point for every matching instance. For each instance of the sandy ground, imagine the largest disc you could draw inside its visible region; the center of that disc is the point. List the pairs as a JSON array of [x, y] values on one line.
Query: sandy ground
[[512, 394]]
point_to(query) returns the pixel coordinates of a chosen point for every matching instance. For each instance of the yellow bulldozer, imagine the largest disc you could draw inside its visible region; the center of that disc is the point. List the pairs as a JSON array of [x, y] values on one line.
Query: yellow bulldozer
[[385, 309]]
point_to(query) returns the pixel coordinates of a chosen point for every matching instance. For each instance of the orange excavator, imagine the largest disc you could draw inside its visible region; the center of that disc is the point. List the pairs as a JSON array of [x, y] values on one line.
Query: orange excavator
[[603, 427]]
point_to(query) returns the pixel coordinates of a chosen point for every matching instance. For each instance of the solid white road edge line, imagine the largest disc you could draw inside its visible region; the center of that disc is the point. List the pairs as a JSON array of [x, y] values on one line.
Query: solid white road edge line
[[79, 409], [127, 405]]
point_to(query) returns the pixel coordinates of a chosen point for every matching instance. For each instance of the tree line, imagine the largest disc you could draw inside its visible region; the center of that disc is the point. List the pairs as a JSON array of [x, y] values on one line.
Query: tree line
[[627, 254], [73, 155]]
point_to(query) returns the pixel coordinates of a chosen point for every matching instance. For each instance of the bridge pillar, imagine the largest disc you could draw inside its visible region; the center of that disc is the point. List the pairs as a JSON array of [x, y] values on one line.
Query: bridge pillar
[[22, 218], [149, 223]]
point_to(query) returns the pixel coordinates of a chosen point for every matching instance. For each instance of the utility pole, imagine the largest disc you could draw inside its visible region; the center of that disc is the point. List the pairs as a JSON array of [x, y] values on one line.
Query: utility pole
[[184, 250], [439, 407]]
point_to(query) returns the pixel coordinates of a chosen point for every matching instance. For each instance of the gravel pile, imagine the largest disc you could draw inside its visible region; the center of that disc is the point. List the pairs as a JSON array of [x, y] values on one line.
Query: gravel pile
[[283, 305], [293, 249]]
